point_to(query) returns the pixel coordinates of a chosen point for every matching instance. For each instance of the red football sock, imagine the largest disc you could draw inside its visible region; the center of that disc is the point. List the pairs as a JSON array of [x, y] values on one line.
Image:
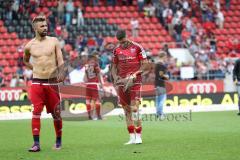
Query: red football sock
[[58, 127], [98, 109], [138, 129], [88, 105], [36, 124], [131, 129]]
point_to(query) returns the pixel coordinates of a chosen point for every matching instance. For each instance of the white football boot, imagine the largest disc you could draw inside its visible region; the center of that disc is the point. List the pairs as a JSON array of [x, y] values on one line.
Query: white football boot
[[138, 139], [132, 139]]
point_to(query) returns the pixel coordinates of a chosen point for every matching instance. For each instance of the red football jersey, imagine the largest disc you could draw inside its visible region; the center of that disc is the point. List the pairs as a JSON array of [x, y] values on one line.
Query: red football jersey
[[92, 70], [128, 60]]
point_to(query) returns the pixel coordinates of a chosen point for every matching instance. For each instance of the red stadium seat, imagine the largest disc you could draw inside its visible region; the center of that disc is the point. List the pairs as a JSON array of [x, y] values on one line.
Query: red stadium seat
[[33, 15], [231, 31], [45, 10], [8, 77], [3, 30], [132, 8], [152, 26], [109, 9], [238, 31], [106, 15], [77, 3], [8, 56], [220, 44], [4, 63], [2, 42], [96, 9], [13, 35], [37, 10], [151, 45], [1, 23], [135, 14], [128, 14], [12, 49], [124, 9], [235, 19], [122, 14], [89, 9], [1, 57], [16, 42], [118, 21], [168, 39], [154, 20], [144, 26], [54, 4], [145, 39], [16, 55], [153, 39], [99, 15], [103, 9], [12, 62], [14, 69], [156, 32], [125, 21], [158, 45], [49, 4], [114, 15], [4, 49], [227, 25], [7, 70], [8, 42], [155, 52], [117, 9], [163, 32], [111, 20], [148, 32], [5, 35]]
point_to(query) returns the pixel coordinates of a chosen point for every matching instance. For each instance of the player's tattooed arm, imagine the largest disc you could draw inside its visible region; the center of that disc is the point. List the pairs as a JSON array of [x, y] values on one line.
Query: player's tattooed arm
[[26, 57], [59, 53]]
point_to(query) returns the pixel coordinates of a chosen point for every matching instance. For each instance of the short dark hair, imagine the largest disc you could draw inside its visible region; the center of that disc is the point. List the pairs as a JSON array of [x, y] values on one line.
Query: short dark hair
[[121, 34], [39, 18]]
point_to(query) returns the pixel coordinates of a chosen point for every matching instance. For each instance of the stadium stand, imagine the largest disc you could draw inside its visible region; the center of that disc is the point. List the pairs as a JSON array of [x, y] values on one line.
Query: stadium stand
[[104, 19]]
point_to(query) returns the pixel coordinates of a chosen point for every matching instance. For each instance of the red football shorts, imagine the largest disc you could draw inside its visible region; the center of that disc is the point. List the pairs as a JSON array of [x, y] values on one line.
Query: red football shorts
[[44, 94], [92, 91], [133, 93]]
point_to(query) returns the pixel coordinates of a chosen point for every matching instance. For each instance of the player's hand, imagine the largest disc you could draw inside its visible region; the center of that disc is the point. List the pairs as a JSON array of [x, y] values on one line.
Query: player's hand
[[117, 80], [133, 76]]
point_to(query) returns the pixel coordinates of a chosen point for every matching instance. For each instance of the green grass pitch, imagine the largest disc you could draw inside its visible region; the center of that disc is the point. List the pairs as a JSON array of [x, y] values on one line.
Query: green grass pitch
[[209, 136]]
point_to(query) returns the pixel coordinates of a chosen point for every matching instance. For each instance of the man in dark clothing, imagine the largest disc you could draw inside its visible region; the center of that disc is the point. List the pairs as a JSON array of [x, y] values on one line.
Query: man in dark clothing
[[236, 79], [160, 78]]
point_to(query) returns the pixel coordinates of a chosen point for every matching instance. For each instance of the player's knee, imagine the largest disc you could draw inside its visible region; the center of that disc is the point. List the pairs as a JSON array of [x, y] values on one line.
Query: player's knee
[[56, 116], [36, 112], [134, 108], [57, 113], [97, 102]]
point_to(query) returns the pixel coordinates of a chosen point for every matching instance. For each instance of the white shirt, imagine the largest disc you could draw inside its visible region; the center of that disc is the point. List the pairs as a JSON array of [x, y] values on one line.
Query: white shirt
[[77, 75], [179, 13], [134, 24], [185, 5], [220, 16], [27, 73]]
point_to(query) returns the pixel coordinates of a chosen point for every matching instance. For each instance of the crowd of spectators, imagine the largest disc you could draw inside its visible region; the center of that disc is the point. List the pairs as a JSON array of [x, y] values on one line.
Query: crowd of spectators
[[177, 16], [193, 31]]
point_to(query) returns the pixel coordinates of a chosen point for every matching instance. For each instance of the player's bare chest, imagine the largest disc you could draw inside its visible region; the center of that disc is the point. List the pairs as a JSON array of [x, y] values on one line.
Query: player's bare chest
[[42, 49]]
